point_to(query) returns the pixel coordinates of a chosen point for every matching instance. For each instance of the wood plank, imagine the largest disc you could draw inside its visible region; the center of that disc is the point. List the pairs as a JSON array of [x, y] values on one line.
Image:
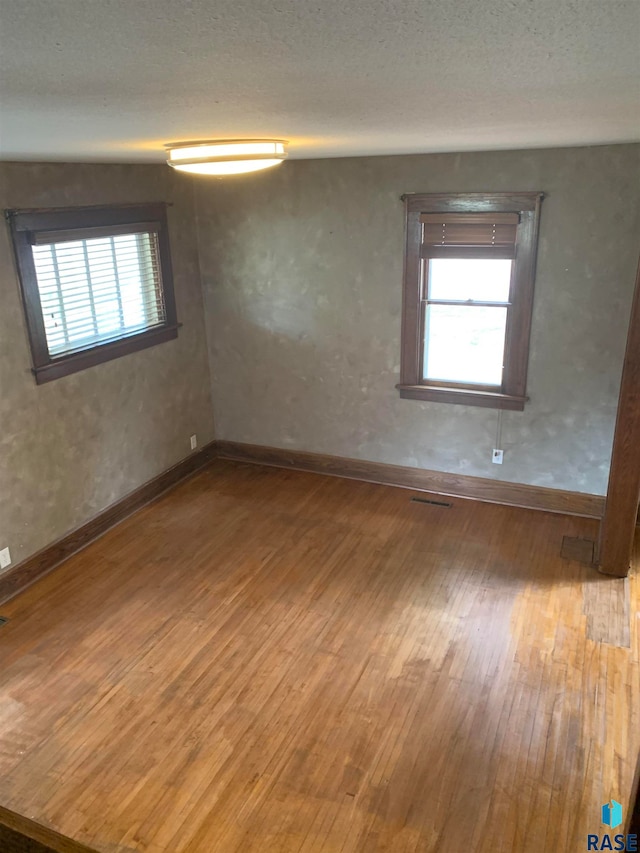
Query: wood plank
[[441, 483], [25, 573], [623, 491], [438, 482], [608, 612], [270, 660], [49, 838]]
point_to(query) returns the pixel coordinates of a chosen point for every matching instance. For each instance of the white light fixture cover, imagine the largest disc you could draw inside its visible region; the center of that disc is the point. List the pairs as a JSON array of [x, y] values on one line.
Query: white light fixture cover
[[226, 156]]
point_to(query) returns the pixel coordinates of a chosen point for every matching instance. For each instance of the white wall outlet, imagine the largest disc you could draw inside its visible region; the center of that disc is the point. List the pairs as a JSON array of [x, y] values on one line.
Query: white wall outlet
[[194, 441], [496, 456], [5, 558]]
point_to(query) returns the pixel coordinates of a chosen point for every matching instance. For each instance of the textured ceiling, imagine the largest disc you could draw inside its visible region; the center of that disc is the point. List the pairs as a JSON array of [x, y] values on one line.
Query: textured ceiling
[[114, 79]]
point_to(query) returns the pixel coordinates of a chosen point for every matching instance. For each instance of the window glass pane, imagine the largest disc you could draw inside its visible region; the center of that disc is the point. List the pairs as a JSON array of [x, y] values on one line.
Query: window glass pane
[[464, 344], [485, 280], [99, 289]]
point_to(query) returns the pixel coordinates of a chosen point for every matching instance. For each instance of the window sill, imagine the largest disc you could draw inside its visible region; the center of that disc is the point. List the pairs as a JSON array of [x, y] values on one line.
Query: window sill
[[463, 396], [103, 352]]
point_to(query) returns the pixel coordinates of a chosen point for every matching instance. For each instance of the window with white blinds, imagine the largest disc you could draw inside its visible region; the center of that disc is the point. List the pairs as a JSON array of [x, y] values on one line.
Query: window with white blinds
[[98, 289], [467, 267], [467, 302], [96, 284]]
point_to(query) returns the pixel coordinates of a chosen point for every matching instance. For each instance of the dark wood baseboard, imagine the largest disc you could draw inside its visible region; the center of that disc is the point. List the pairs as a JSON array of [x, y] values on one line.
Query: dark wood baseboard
[[420, 479], [25, 573], [437, 482], [51, 839]]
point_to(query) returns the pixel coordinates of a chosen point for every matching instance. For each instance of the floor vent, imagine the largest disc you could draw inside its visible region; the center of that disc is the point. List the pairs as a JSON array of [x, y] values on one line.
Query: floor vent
[[575, 548], [3, 621], [427, 501]]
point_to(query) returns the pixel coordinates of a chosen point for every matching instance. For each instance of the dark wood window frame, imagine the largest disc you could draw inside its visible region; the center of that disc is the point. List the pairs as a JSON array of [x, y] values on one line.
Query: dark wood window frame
[[512, 393], [28, 227]]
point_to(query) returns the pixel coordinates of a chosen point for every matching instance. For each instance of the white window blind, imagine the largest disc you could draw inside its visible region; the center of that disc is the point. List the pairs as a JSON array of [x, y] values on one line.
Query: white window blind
[[98, 289]]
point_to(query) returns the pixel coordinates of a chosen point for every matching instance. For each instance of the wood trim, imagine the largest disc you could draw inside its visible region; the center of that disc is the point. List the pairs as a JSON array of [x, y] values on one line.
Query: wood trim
[[519, 316], [30, 570], [617, 531], [633, 812], [42, 834], [419, 479], [488, 202], [463, 396], [82, 359], [17, 578], [88, 216], [411, 343], [526, 206], [27, 228]]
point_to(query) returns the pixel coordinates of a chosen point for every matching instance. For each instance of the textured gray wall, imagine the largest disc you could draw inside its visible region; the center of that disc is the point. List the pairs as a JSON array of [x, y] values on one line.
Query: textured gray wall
[[302, 269], [73, 446]]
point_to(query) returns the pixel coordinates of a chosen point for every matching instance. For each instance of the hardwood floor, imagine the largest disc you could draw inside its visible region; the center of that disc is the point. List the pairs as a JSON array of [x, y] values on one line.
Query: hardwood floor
[[267, 660]]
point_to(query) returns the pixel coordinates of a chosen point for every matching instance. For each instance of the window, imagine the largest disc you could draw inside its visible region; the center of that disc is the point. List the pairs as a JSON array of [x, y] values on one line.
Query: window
[[468, 297], [96, 284]]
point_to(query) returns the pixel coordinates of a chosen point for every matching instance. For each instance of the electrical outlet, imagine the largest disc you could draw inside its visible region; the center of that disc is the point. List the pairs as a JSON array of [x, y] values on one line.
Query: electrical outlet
[[194, 441], [496, 456], [5, 558]]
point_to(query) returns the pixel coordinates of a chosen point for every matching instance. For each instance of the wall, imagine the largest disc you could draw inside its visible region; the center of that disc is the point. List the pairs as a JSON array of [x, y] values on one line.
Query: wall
[[302, 270], [71, 447]]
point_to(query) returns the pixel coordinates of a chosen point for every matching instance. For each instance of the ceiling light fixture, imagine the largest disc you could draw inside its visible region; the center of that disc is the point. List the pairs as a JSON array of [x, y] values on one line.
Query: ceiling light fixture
[[226, 156]]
